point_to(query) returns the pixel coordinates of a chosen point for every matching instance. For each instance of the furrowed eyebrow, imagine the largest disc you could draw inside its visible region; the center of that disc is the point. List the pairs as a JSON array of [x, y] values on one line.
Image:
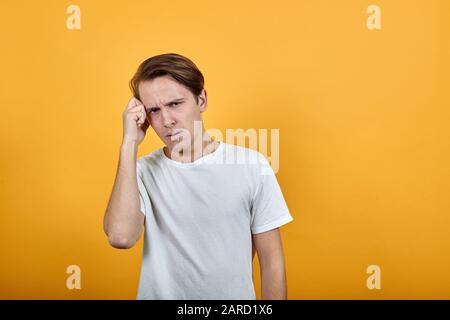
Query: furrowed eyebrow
[[168, 103], [175, 100]]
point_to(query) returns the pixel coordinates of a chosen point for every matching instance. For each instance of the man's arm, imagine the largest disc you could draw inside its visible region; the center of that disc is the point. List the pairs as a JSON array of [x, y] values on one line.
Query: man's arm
[[271, 260], [123, 221]]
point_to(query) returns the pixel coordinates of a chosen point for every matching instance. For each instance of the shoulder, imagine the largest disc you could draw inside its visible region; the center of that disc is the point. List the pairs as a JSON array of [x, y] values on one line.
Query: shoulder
[[247, 156], [150, 160]]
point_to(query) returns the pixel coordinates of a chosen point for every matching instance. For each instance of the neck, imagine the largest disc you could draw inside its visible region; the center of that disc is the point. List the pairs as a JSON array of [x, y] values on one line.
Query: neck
[[200, 147]]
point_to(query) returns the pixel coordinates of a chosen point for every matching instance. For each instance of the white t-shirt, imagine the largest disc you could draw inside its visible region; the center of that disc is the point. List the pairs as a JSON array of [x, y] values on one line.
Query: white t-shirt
[[199, 221]]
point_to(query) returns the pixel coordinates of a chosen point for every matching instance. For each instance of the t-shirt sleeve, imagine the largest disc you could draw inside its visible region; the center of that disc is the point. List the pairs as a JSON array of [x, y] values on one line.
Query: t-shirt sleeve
[[269, 209], [144, 198]]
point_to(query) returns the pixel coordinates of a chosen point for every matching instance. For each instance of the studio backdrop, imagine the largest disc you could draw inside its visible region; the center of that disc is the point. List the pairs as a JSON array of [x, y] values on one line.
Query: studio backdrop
[[351, 96]]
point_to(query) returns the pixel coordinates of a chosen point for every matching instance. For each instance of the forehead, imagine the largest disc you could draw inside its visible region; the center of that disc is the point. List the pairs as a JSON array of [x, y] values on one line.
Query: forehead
[[160, 90]]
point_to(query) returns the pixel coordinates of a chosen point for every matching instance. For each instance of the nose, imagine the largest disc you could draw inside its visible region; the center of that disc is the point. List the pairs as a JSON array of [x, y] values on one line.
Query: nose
[[166, 118]]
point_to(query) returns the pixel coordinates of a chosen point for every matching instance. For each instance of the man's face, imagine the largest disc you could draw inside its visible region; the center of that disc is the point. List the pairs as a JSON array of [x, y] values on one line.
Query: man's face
[[170, 107]]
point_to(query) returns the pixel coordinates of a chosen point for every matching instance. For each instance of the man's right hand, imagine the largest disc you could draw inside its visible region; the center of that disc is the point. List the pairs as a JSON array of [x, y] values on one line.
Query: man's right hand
[[135, 122]]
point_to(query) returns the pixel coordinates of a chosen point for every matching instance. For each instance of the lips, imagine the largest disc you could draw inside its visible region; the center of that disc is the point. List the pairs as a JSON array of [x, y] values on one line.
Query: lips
[[173, 133], [170, 135]]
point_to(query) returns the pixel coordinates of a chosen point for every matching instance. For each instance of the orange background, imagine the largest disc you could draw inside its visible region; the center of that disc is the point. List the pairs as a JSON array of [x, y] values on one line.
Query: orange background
[[363, 119]]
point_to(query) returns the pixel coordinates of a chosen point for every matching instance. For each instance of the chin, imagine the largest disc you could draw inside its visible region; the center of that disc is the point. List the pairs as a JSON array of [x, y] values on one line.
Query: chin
[[179, 145]]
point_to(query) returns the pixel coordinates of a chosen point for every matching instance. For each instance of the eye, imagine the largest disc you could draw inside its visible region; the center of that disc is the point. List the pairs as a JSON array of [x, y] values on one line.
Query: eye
[[153, 110], [173, 104]]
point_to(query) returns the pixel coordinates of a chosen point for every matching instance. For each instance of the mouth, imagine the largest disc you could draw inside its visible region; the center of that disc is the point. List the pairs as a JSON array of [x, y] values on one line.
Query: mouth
[[173, 134], [175, 137]]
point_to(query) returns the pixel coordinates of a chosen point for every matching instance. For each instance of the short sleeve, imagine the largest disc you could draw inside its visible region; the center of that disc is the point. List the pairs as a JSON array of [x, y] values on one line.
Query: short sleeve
[[144, 198], [269, 209]]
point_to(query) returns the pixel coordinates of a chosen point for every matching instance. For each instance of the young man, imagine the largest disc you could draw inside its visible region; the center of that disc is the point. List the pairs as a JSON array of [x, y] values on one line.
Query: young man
[[204, 210]]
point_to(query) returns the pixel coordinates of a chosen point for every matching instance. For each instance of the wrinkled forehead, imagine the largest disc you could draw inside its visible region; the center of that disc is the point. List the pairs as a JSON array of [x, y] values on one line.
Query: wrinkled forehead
[[161, 90]]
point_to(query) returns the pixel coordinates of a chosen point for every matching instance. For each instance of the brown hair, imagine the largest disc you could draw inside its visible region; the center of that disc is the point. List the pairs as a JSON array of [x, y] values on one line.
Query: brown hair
[[180, 68]]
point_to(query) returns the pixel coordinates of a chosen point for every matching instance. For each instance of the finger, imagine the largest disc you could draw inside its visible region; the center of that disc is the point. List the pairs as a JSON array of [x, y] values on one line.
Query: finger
[[133, 102], [137, 108], [145, 125], [138, 116]]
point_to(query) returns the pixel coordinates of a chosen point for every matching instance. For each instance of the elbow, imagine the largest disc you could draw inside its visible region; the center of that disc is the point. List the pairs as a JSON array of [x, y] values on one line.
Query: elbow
[[120, 242], [122, 235]]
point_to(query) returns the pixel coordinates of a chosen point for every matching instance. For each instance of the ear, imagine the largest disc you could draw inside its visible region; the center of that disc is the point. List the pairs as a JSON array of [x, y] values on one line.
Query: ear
[[203, 101]]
